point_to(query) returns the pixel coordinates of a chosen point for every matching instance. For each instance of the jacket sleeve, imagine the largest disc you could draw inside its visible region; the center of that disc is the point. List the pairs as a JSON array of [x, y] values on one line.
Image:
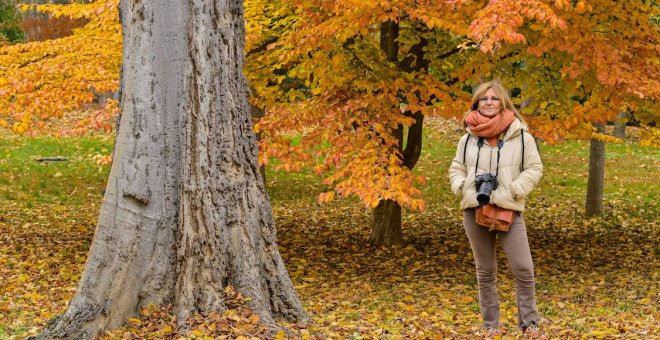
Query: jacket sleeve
[[458, 170], [531, 174]]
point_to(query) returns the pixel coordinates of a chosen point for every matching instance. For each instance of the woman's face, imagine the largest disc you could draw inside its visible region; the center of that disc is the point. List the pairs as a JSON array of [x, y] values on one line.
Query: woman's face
[[490, 104]]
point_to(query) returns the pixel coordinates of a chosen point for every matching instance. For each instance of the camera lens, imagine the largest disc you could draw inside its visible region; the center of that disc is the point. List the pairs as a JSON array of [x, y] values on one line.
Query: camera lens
[[483, 197], [485, 184]]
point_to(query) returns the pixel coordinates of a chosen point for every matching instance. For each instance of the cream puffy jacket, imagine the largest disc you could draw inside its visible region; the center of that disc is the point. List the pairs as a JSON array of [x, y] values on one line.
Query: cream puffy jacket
[[513, 186]]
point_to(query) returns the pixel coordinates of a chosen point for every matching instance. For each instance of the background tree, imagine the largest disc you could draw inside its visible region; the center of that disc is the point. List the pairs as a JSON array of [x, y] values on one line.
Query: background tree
[[613, 53], [42, 80], [595, 182], [39, 26], [10, 30], [341, 82], [185, 213]]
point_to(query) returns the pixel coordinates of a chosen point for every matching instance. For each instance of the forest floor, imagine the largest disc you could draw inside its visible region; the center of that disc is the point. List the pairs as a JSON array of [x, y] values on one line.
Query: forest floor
[[596, 277]]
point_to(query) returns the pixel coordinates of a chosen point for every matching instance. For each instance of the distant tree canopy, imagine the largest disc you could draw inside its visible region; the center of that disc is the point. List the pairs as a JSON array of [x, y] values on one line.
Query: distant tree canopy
[[42, 80]]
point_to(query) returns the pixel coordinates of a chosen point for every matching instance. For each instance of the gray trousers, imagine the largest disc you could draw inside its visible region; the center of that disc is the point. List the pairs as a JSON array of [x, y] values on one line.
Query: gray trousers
[[516, 247]]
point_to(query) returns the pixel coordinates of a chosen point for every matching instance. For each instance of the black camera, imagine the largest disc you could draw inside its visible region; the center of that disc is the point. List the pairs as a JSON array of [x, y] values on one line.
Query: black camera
[[485, 184]]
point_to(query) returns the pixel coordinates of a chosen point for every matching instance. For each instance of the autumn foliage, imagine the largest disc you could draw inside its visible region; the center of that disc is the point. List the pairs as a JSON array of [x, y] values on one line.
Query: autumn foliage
[[10, 30], [44, 79], [335, 101], [50, 27]]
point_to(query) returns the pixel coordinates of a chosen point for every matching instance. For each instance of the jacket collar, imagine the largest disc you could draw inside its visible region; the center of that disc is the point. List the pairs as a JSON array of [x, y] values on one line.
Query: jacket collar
[[514, 129]]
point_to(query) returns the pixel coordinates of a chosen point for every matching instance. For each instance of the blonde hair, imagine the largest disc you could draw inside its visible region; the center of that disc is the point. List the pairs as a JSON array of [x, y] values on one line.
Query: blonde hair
[[500, 91]]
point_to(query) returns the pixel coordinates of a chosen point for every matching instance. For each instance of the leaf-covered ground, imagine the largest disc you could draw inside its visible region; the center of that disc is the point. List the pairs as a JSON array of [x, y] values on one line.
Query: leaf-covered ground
[[595, 277]]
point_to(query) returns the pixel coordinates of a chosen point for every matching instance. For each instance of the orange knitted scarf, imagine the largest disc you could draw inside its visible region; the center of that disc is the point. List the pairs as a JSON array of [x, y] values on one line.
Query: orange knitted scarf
[[488, 127]]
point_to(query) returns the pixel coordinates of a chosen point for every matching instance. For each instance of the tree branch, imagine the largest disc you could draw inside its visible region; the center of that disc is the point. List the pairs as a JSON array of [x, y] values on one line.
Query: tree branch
[[263, 46]]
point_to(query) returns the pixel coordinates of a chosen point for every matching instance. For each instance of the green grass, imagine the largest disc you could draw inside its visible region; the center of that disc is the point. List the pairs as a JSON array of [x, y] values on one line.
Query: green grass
[[629, 187], [630, 181], [29, 182]]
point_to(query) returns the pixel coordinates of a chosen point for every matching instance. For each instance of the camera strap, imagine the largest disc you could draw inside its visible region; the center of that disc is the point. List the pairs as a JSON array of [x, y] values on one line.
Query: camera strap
[[480, 143], [522, 141], [465, 147]]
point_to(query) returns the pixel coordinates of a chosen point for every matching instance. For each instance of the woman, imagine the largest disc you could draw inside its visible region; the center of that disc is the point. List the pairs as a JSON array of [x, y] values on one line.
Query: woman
[[497, 143]]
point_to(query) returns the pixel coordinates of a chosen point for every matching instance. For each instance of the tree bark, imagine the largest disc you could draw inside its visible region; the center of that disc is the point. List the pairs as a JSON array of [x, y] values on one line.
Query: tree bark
[[386, 229], [258, 113], [185, 213], [620, 125], [414, 141], [386, 216], [389, 32], [228, 232], [595, 184]]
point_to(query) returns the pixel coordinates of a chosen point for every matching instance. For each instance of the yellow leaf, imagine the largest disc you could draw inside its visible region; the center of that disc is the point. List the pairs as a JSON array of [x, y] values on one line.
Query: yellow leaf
[[467, 299], [197, 333], [135, 321]]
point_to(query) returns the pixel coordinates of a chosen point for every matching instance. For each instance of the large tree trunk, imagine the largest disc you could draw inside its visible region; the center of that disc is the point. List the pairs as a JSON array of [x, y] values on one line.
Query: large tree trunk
[[595, 184], [227, 228], [185, 213]]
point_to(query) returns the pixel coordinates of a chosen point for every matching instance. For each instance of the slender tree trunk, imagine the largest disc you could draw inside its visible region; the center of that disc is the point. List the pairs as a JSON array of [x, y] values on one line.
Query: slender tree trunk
[[185, 213], [386, 216], [595, 184], [389, 32], [386, 229], [414, 141], [620, 125]]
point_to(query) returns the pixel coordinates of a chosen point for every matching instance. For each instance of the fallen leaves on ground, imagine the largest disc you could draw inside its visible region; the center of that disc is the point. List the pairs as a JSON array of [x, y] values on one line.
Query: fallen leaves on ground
[[596, 277], [593, 276], [236, 322]]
